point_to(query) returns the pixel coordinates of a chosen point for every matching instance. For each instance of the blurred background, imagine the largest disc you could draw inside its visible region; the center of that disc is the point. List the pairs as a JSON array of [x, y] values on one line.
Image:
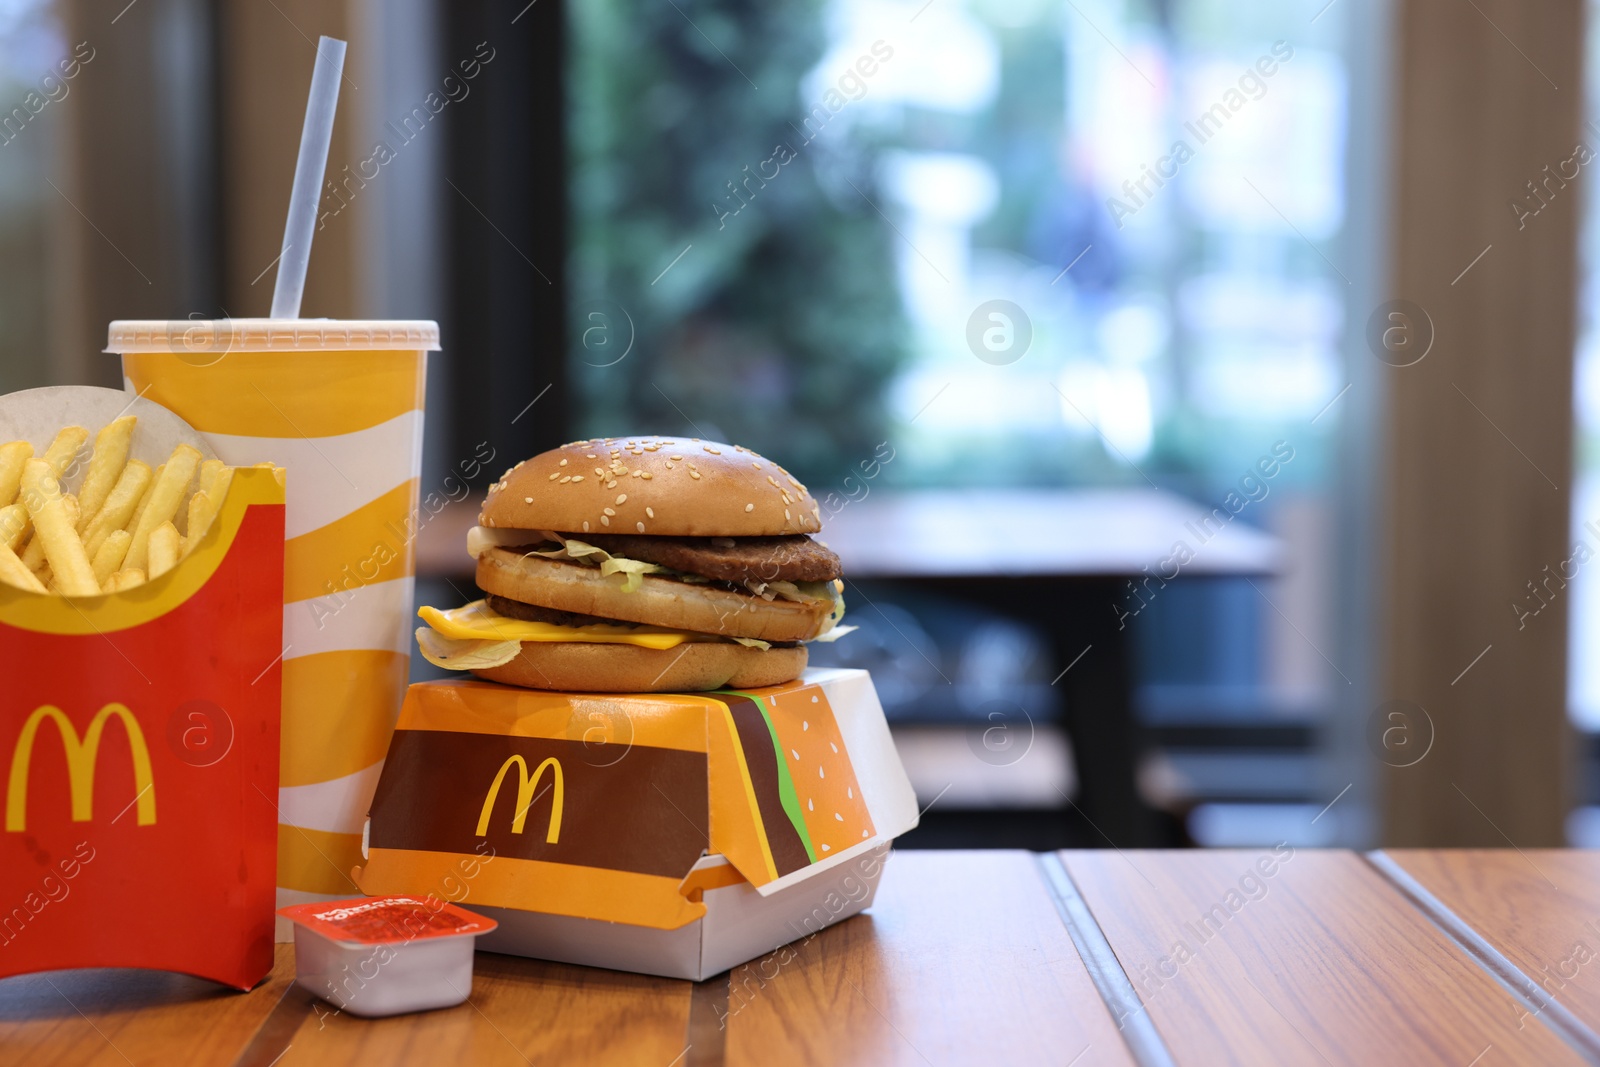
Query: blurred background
[[1203, 396]]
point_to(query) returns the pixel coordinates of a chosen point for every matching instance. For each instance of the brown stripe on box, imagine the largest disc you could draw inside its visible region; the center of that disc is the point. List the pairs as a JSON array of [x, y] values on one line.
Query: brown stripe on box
[[755, 737], [646, 812]]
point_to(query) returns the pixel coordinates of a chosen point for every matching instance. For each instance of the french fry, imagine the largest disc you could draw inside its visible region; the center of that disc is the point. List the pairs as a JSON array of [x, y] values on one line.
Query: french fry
[[12, 456], [203, 508], [209, 472], [14, 572], [144, 501], [13, 526], [198, 520], [126, 578], [33, 555], [111, 446], [166, 494], [53, 529], [61, 451], [118, 510], [163, 549], [108, 559]]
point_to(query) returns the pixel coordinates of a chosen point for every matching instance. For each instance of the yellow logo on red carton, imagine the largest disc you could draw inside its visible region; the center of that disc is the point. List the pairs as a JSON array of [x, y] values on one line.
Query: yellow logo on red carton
[[82, 755], [526, 797]]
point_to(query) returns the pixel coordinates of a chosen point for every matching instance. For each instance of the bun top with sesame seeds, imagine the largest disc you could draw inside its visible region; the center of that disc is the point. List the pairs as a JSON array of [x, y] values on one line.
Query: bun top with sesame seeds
[[664, 486]]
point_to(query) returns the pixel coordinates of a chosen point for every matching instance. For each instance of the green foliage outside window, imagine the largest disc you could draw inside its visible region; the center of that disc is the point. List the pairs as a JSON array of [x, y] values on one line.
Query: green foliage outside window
[[781, 323]]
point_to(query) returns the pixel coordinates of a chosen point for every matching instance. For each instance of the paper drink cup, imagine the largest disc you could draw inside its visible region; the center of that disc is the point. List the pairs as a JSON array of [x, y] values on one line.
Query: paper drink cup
[[340, 404]]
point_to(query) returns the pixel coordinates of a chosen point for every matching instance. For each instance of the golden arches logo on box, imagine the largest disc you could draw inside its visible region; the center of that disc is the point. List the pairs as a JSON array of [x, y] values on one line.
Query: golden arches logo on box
[[526, 796], [82, 755]]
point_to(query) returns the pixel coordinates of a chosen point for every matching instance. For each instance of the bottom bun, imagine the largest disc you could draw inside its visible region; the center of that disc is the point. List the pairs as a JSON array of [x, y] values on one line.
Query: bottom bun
[[692, 667]]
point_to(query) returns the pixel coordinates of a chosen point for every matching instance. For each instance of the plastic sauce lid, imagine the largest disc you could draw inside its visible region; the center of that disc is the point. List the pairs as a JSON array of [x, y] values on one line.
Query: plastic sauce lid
[[183, 336], [386, 920]]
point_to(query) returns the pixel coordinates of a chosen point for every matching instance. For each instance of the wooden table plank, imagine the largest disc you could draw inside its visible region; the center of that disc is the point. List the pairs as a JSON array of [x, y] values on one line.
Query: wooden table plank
[[1321, 962], [1539, 908], [521, 1011], [114, 1017], [962, 959]]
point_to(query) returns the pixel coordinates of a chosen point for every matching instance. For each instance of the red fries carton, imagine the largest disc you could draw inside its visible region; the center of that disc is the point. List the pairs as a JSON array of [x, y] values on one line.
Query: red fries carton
[[669, 834], [139, 756]]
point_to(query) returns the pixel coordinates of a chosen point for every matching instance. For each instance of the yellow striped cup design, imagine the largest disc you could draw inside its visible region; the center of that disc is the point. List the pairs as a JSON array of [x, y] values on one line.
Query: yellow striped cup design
[[347, 425]]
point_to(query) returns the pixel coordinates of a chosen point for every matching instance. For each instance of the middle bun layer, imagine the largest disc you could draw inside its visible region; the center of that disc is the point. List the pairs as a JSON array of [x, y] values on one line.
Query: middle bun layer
[[707, 609]]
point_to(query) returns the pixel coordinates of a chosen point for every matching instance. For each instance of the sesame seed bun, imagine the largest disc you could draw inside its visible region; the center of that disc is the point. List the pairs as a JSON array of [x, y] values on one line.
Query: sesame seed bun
[[668, 486], [690, 668], [708, 609]]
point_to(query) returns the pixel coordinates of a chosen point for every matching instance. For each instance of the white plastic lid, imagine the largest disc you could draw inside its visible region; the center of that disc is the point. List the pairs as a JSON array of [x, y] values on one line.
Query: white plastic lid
[[271, 335]]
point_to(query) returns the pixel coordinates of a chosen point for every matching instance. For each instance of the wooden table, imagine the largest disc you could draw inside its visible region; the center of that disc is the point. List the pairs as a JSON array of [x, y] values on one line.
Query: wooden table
[[1290, 957], [1061, 560]]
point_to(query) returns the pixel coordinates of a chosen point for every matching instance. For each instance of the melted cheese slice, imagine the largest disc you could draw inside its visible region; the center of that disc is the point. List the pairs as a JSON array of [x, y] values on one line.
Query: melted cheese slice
[[477, 621]]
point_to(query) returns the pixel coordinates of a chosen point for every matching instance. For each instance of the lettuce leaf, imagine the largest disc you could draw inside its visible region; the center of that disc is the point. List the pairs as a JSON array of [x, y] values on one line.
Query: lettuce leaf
[[454, 655]]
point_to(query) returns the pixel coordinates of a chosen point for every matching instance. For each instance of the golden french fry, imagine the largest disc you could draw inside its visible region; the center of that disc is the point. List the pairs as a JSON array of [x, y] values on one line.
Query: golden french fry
[[14, 572], [61, 451], [33, 553], [13, 525], [144, 501], [166, 494], [126, 578], [198, 520], [118, 510], [53, 528], [108, 558], [208, 473], [203, 508], [12, 456], [111, 447], [162, 550]]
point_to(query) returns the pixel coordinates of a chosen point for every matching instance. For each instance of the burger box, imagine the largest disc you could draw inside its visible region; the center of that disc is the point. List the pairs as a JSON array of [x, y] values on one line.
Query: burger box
[[139, 738], [669, 834]]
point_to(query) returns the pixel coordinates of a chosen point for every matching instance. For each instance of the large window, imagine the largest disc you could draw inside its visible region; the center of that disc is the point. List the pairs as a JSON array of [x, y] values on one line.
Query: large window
[[807, 214], [1024, 243]]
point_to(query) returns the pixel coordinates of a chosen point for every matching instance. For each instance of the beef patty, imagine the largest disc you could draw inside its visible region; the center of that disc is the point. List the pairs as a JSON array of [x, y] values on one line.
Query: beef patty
[[516, 609], [793, 558]]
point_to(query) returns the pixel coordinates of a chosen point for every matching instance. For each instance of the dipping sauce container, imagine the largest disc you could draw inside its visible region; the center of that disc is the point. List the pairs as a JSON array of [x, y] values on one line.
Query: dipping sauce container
[[385, 955]]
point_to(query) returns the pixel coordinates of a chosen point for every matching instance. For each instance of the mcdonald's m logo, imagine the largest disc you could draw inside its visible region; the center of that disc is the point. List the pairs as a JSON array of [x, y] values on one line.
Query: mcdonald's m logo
[[81, 757], [526, 797]]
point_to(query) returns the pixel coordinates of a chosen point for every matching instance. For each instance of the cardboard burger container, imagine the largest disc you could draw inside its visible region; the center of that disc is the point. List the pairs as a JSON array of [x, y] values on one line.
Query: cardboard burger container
[[669, 834], [139, 741]]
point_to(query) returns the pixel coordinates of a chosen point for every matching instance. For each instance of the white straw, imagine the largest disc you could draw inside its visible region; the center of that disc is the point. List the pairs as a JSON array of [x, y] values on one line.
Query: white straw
[[309, 169]]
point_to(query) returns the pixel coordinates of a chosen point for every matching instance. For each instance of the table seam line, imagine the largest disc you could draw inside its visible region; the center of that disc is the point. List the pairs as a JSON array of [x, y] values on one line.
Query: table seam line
[[1133, 1022], [1552, 1014], [293, 995]]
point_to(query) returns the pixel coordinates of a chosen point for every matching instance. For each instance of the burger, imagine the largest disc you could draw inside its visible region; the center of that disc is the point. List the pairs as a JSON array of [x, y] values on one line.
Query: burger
[[639, 565]]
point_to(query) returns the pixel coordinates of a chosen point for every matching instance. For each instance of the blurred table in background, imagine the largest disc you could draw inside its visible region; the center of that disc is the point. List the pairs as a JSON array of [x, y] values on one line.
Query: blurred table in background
[[1060, 560], [1041, 533]]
